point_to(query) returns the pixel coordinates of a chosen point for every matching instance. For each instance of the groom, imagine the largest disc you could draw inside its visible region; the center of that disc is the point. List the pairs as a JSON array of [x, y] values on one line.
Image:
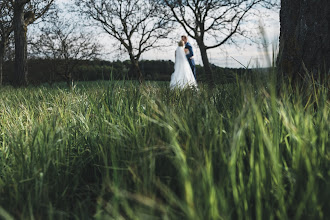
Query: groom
[[190, 55]]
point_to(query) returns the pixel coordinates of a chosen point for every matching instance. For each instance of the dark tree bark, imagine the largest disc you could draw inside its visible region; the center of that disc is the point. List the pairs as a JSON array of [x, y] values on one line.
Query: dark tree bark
[[1, 65], [135, 70], [3, 45], [205, 59], [304, 39], [25, 13], [20, 30]]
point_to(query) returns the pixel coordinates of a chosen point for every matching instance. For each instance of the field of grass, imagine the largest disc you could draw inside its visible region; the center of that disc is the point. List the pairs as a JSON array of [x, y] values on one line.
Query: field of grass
[[117, 150]]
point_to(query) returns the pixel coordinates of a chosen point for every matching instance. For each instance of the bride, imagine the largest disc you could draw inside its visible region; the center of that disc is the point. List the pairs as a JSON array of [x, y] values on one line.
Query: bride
[[183, 76]]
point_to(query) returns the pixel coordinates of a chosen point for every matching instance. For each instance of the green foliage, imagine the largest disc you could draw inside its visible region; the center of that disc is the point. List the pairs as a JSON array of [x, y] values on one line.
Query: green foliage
[[118, 150]]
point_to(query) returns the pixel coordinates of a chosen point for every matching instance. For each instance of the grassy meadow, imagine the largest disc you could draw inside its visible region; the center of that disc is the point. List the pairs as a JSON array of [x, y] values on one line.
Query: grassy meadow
[[118, 150]]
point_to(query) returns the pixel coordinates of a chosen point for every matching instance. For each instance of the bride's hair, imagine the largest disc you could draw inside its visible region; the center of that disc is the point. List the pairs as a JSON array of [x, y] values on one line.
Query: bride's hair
[[181, 43]]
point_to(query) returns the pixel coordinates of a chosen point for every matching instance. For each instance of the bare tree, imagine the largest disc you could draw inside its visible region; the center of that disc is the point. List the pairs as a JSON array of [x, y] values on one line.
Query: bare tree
[[65, 43], [6, 29], [137, 25], [25, 12], [212, 23]]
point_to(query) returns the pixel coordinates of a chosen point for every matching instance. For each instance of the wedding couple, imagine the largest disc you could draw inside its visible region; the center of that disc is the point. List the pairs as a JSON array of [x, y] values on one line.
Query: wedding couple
[[184, 68]]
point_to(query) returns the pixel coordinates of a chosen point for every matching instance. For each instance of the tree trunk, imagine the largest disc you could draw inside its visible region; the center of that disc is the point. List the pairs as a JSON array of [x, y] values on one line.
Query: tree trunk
[[206, 62], [1, 69], [69, 80], [304, 38], [2, 52], [20, 30], [135, 69]]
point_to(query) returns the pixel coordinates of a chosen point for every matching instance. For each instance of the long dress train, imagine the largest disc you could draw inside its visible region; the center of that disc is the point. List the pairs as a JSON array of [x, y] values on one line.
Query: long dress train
[[183, 76]]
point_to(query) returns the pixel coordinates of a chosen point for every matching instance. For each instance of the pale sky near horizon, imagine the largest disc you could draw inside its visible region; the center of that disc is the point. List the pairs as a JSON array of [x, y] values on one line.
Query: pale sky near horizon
[[247, 54]]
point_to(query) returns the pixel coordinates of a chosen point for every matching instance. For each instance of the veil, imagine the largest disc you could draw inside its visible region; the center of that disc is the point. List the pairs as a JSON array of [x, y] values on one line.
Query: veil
[[180, 56], [183, 75]]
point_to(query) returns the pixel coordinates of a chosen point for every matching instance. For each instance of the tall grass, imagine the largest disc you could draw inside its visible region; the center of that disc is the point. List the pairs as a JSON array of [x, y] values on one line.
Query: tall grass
[[116, 150]]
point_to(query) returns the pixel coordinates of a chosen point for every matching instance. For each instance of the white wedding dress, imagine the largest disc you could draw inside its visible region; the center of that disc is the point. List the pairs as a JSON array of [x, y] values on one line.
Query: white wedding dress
[[183, 76]]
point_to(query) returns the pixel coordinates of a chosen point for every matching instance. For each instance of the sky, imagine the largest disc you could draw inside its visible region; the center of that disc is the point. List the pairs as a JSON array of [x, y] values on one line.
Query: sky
[[245, 54]]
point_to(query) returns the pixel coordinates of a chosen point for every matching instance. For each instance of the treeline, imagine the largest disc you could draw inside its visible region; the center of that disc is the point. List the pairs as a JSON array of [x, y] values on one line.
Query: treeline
[[48, 71]]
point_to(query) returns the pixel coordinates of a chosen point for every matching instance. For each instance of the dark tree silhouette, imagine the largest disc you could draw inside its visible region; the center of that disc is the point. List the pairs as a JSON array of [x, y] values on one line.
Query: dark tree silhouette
[[304, 39], [25, 12], [137, 25]]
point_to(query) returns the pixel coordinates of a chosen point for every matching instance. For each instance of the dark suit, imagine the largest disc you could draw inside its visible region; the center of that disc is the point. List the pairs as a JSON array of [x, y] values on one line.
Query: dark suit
[[191, 61]]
